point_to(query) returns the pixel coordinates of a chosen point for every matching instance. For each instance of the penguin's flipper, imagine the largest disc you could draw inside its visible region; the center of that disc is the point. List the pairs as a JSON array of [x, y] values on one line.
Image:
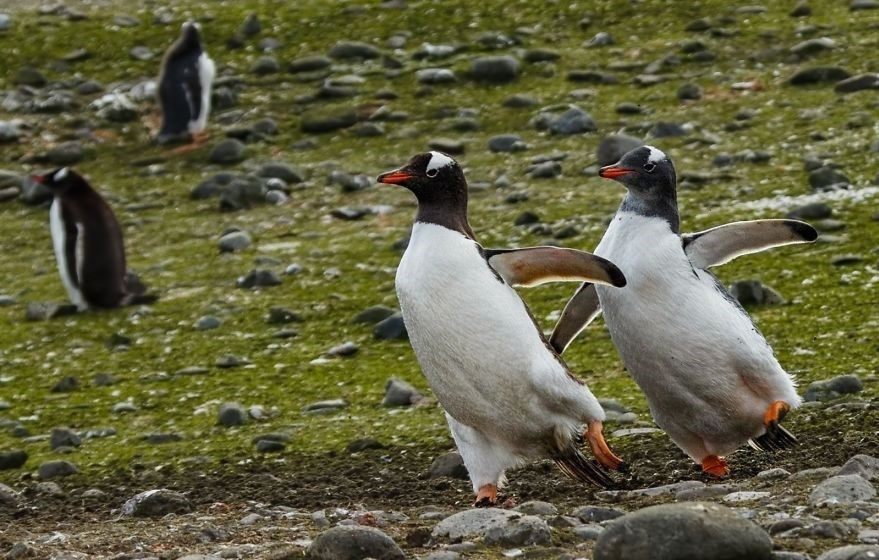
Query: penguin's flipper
[[576, 465], [578, 313], [724, 243], [532, 266]]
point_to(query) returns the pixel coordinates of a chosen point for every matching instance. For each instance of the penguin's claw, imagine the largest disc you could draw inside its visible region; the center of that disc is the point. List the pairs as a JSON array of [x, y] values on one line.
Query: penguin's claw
[[715, 466], [486, 496], [600, 449]]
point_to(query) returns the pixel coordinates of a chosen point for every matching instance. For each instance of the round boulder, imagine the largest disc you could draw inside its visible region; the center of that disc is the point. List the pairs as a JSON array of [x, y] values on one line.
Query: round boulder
[[684, 531], [354, 542]]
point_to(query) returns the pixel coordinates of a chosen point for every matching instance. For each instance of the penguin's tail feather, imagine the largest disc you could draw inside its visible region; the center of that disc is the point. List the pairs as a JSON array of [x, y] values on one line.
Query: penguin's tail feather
[[776, 438], [141, 299], [576, 465]]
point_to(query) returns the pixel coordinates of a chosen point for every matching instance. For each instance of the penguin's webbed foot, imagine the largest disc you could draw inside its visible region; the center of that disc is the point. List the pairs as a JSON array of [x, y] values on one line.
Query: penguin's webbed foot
[[486, 496], [715, 466], [600, 449]]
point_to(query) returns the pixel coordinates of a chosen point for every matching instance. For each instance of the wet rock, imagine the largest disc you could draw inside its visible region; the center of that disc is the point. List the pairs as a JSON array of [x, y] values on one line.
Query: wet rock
[[265, 65], [447, 145], [326, 406], [68, 153], [753, 292], [55, 469], [435, 76], [346, 349], [596, 514], [506, 143], [282, 316], [234, 241], [817, 75], [354, 542], [528, 530], [494, 69], [858, 83], [30, 76], [259, 278], [156, 503], [207, 323], [344, 50], [320, 123], [372, 315], [448, 464], [309, 64], [63, 437], [811, 211], [231, 414], [689, 530], [283, 171], [400, 393], [228, 151], [472, 523], [601, 39], [832, 388], [856, 551], [12, 459], [66, 384], [689, 92], [827, 178], [865, 466], [615, 146], [812, 47], [537, 508], [842, 489]]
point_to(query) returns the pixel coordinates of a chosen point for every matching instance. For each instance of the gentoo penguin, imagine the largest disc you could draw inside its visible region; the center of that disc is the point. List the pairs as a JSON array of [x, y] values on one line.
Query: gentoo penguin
[[184, 90], [88, 245], [711, 380], [508, 396]]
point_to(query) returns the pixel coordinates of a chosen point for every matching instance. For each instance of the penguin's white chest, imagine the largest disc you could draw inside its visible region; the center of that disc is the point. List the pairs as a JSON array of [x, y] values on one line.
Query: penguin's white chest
[[66, 269], [473, 337]]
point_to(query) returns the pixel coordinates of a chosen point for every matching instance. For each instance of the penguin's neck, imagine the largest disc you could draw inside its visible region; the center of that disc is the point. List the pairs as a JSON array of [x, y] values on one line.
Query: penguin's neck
[[665, 207], [450, 213]]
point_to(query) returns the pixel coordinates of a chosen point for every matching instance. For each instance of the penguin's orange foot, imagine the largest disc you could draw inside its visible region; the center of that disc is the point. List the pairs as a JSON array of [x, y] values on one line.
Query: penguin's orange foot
[[200, 138], [715, 466], [486, 496], [599, 447], [775, 414]]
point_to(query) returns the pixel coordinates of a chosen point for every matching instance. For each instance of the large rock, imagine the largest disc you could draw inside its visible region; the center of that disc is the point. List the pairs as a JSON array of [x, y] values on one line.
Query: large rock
[[319, 123], [865, 466], [852, 552], [524, 531], [858, 83], [449, 464], [574, 120], [353, 49], [827, 178], [684, 531], [391, 328], [400, 393], [832, 388], [12, 459], [494, 69], [281, 170], [842, 489], [228, 151], [309, 64], [67, 153], [156, 503], [55, 469], [354, 542], [472, 523], [615, 146], [817, 75]]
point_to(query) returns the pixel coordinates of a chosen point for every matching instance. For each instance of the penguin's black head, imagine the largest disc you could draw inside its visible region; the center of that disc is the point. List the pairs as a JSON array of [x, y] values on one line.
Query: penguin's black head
[[61, 180], [646, 172], [190, 36], [432, 177]]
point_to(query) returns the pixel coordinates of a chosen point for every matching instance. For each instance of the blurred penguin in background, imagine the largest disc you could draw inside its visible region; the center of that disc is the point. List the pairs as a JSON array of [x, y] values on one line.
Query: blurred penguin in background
[[184, 91]]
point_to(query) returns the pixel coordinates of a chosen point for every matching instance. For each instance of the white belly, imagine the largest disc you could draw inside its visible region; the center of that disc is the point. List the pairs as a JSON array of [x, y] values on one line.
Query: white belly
[[59, 241], [701, 363], [475, 341], [206, 72]]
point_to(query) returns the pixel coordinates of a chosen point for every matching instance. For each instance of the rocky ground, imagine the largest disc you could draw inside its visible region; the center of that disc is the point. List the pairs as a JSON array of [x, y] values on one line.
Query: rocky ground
[[269, 406]]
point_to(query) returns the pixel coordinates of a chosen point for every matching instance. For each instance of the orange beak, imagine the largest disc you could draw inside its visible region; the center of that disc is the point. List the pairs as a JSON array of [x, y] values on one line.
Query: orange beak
[[396, 177], [612, 172]]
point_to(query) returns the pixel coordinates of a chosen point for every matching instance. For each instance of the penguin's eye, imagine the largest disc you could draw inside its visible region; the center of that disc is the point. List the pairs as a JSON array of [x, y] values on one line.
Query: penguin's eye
[[432, 173], [649, 167]]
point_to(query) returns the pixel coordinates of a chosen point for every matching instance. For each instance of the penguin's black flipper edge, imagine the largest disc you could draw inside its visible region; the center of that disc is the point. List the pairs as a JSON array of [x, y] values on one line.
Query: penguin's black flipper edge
[[533, 266], [579, 467], [722, 244], [578, 313]]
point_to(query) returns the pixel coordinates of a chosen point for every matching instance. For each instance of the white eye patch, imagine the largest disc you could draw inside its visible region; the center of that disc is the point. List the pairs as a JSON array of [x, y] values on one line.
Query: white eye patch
[[437, 161], [656, 155], [61, 174]]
